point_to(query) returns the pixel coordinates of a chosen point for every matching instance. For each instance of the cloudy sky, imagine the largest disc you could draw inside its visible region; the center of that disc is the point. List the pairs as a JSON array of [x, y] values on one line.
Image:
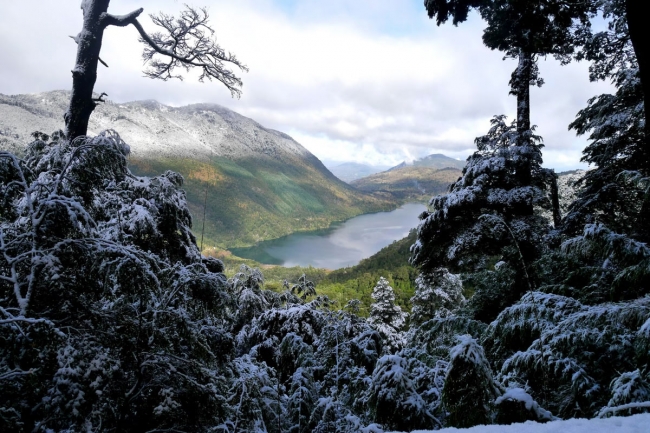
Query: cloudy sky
[[371, 81]]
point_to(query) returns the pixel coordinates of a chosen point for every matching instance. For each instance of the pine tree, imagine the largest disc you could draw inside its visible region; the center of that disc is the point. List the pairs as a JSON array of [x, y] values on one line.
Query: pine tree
[[386, 317], [469, 392], [489, 216], [436, 295]]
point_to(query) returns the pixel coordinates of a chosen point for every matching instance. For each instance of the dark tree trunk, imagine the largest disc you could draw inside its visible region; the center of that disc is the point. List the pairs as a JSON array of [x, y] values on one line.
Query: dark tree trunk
[[637, 22], [520, 87], [555, 201], [84, 73]]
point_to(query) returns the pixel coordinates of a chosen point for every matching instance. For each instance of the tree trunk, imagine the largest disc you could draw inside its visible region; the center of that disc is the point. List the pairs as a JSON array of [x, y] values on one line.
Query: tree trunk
[[520, 87], [84, 73], [640, 37], [555, 201]]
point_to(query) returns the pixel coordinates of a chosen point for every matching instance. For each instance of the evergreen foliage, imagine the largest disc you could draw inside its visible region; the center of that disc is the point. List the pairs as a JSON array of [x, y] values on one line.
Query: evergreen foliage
[[110, 317], [617, 147], [469, 391], [489, 213], [386, 317], [112, 320], [436, 296]]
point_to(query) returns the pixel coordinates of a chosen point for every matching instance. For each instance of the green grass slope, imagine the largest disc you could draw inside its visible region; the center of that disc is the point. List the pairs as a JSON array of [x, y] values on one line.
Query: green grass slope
[[254, 199]]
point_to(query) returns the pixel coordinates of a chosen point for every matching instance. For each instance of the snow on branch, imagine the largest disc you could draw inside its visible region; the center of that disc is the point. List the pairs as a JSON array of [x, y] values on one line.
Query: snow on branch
[[612, 410]]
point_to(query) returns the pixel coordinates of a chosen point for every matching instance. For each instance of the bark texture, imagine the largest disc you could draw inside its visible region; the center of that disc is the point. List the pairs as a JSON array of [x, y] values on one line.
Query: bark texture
[[637, 23], [520, 87], [84, 74]]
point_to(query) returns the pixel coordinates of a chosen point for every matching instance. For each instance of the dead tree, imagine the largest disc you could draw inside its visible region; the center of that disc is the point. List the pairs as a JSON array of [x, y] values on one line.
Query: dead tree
[[186, 42]]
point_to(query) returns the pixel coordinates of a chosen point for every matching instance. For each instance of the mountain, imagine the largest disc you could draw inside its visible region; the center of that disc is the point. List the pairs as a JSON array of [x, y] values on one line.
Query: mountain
[[435, 160], [349, 171], [257, 183], [417, 180], [409, 182], [438, 160]]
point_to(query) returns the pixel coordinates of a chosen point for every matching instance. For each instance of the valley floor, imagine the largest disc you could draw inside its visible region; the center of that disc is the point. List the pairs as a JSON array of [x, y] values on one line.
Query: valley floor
[[632, 424]]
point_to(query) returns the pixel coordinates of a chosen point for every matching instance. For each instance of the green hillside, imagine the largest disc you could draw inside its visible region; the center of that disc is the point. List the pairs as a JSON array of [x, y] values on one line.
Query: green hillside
[[342, 285], [357, 282], [254, 199], [409, 182]]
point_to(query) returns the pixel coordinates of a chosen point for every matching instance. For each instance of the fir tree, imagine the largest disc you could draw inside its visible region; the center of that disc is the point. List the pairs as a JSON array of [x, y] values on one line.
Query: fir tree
[[488, 216], [386, 317], [469, 392], [436, 296]]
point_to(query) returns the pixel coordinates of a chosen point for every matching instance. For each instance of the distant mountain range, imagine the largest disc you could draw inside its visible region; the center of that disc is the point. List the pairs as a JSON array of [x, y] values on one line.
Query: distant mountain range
[[418, 180], [435, 160], [349, 171], [257, 183]]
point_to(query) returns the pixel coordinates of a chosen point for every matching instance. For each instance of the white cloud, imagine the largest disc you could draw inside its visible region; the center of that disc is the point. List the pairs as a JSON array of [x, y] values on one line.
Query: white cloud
[[371, 80]]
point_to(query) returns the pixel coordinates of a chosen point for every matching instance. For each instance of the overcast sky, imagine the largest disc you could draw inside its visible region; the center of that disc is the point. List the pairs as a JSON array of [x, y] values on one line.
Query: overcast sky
[[371, 81]]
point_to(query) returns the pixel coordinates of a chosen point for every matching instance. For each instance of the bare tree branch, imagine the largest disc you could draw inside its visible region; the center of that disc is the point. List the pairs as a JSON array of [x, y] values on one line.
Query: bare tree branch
[[107, 19], [187, 42]]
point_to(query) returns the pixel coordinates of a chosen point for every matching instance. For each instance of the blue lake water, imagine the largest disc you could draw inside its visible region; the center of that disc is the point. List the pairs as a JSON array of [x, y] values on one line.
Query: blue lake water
[[343, 244]]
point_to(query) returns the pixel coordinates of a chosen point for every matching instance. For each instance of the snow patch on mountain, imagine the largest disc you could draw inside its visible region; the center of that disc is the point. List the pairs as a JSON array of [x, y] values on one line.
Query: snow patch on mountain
[[197, 131]]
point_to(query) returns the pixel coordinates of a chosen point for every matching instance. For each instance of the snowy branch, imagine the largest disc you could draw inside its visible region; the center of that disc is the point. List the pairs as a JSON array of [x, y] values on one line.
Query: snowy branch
[[635, 405]]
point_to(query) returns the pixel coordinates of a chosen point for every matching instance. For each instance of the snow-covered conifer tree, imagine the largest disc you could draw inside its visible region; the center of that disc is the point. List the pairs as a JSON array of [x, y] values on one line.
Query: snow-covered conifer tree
[[110, 319], [393, 399], [580, 351], [386, 317], [436, 296], [302, 400], [469, 391], [487, 216], [618, 147]]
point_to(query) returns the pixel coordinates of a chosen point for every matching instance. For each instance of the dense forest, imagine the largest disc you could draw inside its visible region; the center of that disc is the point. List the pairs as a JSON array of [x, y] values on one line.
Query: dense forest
[[112, 320]]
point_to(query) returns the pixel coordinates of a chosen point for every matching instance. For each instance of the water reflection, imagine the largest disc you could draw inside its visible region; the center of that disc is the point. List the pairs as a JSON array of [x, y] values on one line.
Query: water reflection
[[340, 246]]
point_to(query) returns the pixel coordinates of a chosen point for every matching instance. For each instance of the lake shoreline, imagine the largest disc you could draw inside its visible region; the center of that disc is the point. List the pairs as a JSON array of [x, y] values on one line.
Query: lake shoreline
[[343, 244]]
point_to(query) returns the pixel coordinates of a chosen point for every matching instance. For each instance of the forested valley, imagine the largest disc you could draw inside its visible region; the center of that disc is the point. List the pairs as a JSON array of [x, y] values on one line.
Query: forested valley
[[512, 306]]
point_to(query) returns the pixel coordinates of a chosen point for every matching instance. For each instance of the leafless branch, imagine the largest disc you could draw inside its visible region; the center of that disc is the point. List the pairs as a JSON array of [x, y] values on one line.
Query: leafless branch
[[100, 98], [187, 42], [119, 20]]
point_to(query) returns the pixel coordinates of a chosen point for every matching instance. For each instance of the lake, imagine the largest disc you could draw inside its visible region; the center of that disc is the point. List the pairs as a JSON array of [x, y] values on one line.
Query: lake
[[343, 244]]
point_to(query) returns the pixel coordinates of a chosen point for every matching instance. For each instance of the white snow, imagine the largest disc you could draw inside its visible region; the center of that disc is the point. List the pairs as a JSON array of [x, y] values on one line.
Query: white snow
[[632, 424]]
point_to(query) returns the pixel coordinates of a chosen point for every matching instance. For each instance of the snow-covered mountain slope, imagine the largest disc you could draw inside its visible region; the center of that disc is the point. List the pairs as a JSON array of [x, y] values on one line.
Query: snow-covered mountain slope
[[256, 183], [632, 424], [199, 131]]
